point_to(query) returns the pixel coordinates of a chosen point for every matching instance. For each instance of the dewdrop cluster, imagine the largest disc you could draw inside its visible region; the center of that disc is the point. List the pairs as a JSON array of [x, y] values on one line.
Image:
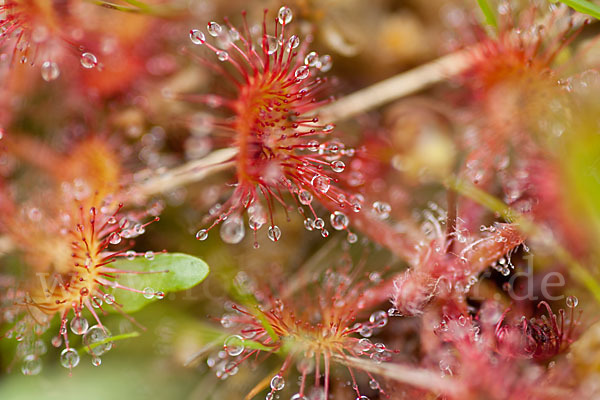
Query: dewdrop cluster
[[274, 129], [77, 277], [41, 33], [310, 332]]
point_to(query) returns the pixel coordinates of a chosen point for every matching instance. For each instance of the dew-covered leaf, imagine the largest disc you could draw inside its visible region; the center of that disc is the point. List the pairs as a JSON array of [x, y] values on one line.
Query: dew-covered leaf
[[166, 273]]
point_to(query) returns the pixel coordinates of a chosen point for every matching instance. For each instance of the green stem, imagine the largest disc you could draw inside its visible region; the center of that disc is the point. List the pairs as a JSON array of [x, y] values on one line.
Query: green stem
[[251, 304], [249, 344], [265, 323], [109, 340], [139, 4], [136, 7], [114, 6], [491, 203]]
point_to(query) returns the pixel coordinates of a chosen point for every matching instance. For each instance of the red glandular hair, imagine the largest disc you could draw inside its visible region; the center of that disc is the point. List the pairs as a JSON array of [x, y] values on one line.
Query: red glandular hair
[[42, 32], [68, 234], [312, 323], [273, 125], [488, 357], [447, 264]]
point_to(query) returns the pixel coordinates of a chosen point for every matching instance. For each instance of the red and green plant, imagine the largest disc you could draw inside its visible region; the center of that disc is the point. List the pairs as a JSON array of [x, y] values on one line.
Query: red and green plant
[[456, 201]]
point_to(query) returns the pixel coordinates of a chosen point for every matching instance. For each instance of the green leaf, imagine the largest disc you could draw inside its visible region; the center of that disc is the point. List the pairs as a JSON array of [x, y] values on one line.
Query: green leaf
[[488, 13], [248, 344], [167, 272], [583, 6]]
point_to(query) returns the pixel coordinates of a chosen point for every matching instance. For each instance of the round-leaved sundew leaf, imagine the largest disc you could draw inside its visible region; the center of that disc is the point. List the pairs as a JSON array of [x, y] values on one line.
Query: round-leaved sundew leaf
[[154, 278]]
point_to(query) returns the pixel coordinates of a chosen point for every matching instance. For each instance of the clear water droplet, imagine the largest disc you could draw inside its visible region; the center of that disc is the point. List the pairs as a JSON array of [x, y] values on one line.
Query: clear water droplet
[[274, 233], [231, 368], [272, 44], [379, 347], [352, 238], [277, 383], [96, 340], [572, 301], [234, 35], [202, 234], [328, 128], [139, 229], [313, 146], [338, 166], [381, 209], [311, 59], [96, 361], [56, 341], [305, 197], [284, 16], [366, 331], [319, 223], [214, 29], [256, 216], [49, 71], [97, 302], [302, 72], [309, 224], [364, 345], [321, 183], [32, 365], [197, 36], [79, 325], [232, 230], [69, 358], [234, 345], [379, 319], [339, 221], [222, 55], [293, 42], [109, 299], [88, 60], [325, 63], [114, 238], [148, 293], [227, 321]]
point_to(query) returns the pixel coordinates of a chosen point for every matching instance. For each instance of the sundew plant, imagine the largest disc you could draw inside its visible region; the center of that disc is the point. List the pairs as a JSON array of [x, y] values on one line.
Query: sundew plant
[[208, 199]]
